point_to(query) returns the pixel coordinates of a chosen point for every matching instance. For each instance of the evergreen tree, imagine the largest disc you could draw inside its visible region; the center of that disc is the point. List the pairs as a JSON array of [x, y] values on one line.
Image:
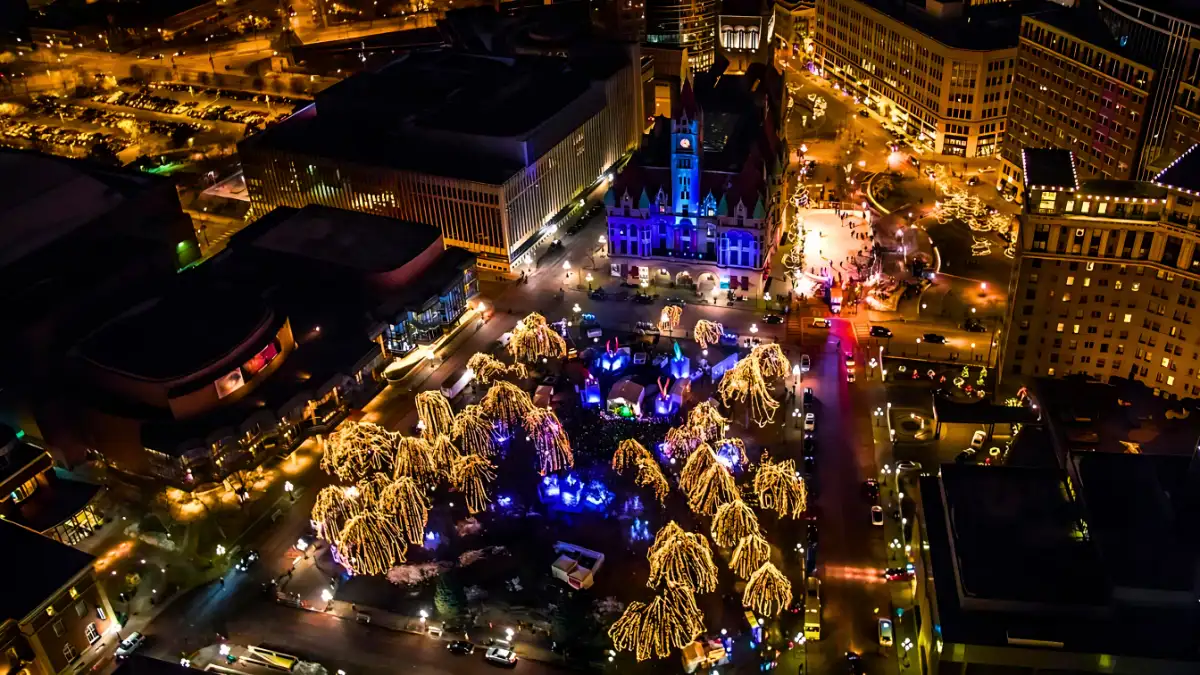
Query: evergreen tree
[[449, 599]]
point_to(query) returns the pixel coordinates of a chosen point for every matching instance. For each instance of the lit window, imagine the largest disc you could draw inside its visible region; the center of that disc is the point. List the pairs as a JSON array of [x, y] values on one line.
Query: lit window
[[1170, 380], [1070, 281], [1128, 318], [1136, 287], [1117, 285], [1087, 281], [92, 633], [74, 593], [1060, 328], [1166, 363], [1066, 297], [1075, 329], [1050, 372]]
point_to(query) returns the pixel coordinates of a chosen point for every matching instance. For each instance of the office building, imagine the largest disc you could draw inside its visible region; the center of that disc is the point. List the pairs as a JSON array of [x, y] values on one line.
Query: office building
[[1112, 80], [492, 149], [941, 72], [1075, 556], [697, 204], [1076, 88], [744, 29], [794, 22], [54, 614], [684, 23], [1107, 276]]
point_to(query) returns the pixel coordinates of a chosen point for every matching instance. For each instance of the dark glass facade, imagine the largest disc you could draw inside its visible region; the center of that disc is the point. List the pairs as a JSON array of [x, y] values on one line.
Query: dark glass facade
[[684, 23]]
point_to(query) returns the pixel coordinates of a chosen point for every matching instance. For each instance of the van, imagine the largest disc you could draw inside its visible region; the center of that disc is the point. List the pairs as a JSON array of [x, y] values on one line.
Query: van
[[812, 609]]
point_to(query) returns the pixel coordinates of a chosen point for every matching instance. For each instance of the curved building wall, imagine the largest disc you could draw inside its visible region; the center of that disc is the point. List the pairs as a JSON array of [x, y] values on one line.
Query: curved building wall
[[684, 23]]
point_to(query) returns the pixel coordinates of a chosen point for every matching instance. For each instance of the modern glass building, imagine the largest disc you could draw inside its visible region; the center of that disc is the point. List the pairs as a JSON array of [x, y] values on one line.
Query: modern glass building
[[684, 23]]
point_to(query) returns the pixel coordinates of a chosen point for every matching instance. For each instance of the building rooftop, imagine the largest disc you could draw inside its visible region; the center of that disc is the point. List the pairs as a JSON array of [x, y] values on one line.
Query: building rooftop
[[445, 112], [37, 567], [350, 239], [978, 28], [43, 198], [1049, 168], [1085, 24], [1122, 188], [140, 664], [178, 332], [1183, 173]]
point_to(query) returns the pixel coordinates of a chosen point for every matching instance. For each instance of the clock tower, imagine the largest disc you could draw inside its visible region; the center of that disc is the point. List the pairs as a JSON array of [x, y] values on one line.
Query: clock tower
[[685, 155]]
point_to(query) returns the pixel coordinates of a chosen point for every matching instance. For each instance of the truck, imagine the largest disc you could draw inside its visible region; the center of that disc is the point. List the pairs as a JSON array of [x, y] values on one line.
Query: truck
[[454, 384], [835, 299]]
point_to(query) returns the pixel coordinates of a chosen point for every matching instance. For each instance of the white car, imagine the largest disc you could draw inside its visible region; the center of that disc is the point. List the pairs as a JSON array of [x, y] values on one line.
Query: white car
[[501, 656], [885, 632], [877, 516], [810, 422], [805, 363], [978, 439], [129, 645], [820, 322]]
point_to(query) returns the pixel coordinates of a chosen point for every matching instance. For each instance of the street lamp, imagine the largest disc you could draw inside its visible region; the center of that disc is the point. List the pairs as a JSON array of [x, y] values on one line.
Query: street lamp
[[753, 328], [918, 346], [577, 309], [289, 489]]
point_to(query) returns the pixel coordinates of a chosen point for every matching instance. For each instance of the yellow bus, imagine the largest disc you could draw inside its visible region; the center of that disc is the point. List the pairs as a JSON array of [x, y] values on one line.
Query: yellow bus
[[812, 609]]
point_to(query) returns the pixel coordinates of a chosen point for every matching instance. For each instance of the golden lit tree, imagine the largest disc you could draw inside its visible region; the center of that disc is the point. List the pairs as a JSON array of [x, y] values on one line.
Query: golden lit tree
[[750, 382], [488, 368], [371, 488], [733, 521], [629, 452], [682, 441], [551, 442], [650, 474], [682, 558], [443, 453], [671, 621], [780, 488], [415, 459], [696, 465], [533, 338], [707, 333], [434, 412], [372, 543], [473, 431], [709, 421], [739, 448], [669, 319], [506, 402], [335, 505], [470, 476], [357, 449], [749, 554], [714, 488], [767, 592], [405, 499]]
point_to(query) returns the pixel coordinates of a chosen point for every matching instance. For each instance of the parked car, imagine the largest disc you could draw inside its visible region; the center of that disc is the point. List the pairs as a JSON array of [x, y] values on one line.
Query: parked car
[[130, 645], [643, 299], [881, 332], [808, 396], [877, 515], [978, 439], [810, 422], [679, 302], [460, 647], [501, 656], [597, 294], [850, 359], [850, 376], [247, 561], [974, 325], [897, 574], [871, 489], [805, 363], [885, 632], [773, 319], [864, 113], [934, 338], [821, 322]]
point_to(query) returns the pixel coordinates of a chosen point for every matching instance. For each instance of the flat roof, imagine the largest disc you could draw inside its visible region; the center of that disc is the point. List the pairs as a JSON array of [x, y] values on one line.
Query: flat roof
[[43, 198], [1183, 173], [36, 568], [1122, 188], [979, 28], [20, 456], [178, 332], [353, 239], [441, 111], [1084, 23], [1049, 168]]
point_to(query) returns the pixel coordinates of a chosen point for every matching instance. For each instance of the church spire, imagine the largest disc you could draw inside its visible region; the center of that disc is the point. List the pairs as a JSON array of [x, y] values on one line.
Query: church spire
[[686, 107]]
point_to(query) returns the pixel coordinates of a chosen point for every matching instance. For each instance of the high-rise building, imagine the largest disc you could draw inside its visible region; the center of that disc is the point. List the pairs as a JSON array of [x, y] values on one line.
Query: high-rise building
[[492, 150], [684, 23], [941, 72], [1114, 81], [1107, 276]]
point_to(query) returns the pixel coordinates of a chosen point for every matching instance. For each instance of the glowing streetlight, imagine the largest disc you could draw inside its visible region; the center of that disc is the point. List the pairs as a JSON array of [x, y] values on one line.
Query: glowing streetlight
[[602, 240], [577, 309], [326, 595], [567, 265], [753, 328], [424, 615]]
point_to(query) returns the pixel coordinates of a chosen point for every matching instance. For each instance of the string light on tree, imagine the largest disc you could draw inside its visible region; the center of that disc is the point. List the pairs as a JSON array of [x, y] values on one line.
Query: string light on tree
[[767, 592], [750, 382], [629, 452], [470, 476], [372, 543], [699, 462], [551, 442], [780, 488], [534, 339], [473, 431], [334, 507], [733, 521], [682, 558], [749, 555], [414, 458], [405, 500], [650, 474], [669, 319], [434, 412], [356, 449], [714, 488], [707, 333], [506, 402], [488, 368], [670, 621]]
